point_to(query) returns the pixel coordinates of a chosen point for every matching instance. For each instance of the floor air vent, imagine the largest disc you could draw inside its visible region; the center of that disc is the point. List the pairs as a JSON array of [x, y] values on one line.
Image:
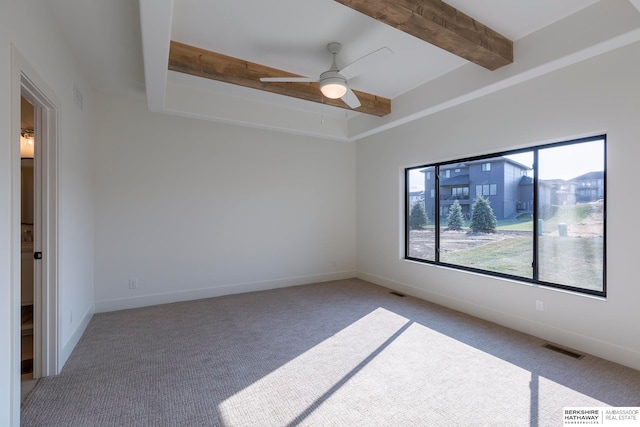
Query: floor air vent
[[563, 351], [398, 294]]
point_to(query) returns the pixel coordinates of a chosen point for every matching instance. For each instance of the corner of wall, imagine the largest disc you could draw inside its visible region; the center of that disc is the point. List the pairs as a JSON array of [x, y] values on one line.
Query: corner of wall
[[67, 348]]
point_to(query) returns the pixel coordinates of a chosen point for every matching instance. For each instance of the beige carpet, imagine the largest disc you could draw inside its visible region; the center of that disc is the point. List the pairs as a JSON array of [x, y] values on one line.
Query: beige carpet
[[344, 353]]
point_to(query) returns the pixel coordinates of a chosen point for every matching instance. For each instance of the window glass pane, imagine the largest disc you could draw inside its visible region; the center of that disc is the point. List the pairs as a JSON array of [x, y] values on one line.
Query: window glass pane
[[571, 215], [421, 213], [489, 221], [496, 228]]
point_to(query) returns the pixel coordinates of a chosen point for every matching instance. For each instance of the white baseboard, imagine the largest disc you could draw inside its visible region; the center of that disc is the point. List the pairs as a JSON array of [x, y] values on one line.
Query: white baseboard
[[67, 348], [603, 349], [193, 294]]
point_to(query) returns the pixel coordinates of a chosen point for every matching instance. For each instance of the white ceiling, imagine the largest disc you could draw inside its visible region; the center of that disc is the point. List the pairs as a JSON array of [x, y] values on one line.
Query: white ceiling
[[114, 39]]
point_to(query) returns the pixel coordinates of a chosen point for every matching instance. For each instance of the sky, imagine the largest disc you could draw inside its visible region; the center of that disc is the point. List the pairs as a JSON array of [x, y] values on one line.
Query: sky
[[561, 162]]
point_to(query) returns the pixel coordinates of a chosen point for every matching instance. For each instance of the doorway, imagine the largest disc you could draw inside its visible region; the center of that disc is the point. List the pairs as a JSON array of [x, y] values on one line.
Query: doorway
[[28, 183], [35, 348]]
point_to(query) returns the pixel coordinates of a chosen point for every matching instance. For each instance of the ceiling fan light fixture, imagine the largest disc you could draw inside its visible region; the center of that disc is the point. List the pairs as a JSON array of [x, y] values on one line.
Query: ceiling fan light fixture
[[333, 87]]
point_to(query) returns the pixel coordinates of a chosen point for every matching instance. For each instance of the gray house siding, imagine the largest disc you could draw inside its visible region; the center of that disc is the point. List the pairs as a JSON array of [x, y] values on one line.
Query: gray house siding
[[498, 180], [429, 192], [508, 187], [512, 179]]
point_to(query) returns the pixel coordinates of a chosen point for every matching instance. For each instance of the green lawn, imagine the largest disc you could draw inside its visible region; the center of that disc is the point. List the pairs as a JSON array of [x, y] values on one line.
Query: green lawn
[[570, 261], [566, 260], [509, 256]]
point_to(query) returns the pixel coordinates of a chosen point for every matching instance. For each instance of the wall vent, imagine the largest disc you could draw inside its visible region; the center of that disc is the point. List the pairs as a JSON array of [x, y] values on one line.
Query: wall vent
[[563, 351], [398, 294]]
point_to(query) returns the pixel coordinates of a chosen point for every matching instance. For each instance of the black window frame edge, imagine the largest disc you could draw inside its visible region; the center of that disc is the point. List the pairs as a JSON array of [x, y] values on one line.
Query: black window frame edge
[[436, 167]]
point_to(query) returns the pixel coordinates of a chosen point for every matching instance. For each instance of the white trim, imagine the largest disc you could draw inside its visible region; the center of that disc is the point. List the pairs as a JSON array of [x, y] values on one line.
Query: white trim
[[26, 81], [194, 294], [16, 252], [155, 18], [46, 295], [68, 347]]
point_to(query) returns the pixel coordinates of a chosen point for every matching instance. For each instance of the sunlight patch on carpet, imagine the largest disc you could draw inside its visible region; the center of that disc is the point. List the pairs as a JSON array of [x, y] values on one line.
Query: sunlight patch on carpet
[[300, 384]]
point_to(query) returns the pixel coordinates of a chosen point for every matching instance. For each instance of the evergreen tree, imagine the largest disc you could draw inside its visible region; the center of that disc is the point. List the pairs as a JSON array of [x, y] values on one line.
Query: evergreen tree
[[455, 219], [482, 217], [418, 217]]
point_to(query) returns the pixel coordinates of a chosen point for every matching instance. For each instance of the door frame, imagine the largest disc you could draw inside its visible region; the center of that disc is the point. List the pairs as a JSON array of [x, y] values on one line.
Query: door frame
[[25, 82]]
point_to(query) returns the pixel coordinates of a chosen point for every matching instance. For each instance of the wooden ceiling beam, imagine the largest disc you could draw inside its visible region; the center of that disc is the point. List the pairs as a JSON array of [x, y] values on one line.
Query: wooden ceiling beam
[[441, 25], [203, 63]]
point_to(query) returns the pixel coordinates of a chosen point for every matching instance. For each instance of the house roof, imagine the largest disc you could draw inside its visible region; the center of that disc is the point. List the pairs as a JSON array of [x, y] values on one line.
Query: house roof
[[479, 161], [526, 180], [589, 176]]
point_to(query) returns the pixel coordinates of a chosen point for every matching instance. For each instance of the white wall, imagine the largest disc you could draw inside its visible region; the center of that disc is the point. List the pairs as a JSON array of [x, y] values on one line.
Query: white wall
[[47, 53], [7, 255], [601, 94], [195, 209]]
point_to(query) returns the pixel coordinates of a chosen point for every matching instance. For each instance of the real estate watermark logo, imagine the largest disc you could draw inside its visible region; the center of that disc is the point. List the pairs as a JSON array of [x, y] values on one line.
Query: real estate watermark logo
[[606, 416]]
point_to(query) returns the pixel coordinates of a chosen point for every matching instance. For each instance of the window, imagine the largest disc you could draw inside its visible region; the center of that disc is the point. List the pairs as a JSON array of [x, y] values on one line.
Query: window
[[460, 192], [428, 175], [541, 221], [487, 190], [447, 173]]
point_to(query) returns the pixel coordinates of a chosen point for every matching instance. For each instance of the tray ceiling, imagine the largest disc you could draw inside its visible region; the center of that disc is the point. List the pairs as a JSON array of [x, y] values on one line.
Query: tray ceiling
[[291, 35]]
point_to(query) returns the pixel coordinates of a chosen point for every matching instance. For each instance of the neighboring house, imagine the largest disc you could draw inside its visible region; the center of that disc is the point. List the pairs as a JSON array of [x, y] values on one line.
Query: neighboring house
[[416, 196], [589, 187], [564, 192], [585, 188], [508, 187], [504, 182]]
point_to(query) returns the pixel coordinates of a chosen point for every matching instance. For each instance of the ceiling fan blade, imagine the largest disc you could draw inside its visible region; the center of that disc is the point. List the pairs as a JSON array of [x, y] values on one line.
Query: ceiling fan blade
[[288, 79], [351, 99], [366, 63]]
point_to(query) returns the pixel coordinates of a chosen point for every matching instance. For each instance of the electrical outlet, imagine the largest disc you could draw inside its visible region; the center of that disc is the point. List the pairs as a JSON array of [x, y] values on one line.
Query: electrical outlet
[[539, 305], [133, 283]]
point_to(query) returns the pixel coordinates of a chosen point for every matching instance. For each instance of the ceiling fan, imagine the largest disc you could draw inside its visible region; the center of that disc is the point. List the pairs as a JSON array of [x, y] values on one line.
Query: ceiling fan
[[333, 82]]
